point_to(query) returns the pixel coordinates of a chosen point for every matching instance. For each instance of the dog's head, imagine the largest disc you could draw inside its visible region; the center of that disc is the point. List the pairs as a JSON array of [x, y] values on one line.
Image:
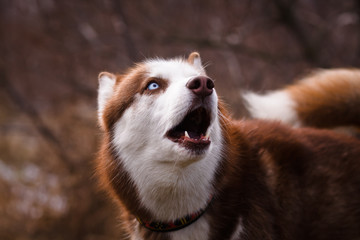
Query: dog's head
[[161, 110]]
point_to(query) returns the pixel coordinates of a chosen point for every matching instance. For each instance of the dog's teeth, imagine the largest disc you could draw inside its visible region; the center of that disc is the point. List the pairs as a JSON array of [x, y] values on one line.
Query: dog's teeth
[[186, 134], [207, 136]]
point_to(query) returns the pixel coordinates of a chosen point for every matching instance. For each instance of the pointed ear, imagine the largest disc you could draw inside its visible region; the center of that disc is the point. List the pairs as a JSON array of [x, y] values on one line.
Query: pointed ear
[[194, 59], [105, 92]]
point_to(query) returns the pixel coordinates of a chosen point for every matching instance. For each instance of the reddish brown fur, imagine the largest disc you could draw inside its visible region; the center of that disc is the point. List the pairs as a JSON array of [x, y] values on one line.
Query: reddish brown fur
[[328, 98], [284, 183]]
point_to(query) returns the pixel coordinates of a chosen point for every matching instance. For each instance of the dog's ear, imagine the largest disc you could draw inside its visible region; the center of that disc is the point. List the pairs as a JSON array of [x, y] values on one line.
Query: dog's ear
[[105, 92], [195, 60]]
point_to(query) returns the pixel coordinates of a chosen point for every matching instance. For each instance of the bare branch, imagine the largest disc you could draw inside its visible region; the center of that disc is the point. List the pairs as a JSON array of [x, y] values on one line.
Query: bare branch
[[129, 41], [35, 118], [287, 17], [239, 48]]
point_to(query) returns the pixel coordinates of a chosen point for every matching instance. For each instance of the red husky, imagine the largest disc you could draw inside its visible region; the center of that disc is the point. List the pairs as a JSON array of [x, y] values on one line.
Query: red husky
[[181, 168]]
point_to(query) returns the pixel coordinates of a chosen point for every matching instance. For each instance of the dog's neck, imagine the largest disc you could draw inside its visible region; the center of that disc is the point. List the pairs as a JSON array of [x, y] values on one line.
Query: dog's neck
[[179, 190], [177, 224]]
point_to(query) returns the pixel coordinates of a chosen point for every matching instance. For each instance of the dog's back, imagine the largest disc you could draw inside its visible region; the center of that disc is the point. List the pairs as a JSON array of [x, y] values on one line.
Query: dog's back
[[295, 184]]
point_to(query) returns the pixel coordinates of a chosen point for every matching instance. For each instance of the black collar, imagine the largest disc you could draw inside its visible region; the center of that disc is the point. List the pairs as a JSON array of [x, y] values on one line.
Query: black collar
[[177, 224]]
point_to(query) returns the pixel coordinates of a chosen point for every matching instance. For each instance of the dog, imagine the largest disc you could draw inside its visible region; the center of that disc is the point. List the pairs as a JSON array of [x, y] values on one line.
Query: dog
[[179, 167]]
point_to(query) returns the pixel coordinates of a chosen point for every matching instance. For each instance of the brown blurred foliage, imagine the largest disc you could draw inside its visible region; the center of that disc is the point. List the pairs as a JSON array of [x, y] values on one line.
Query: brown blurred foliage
[[51, 54]]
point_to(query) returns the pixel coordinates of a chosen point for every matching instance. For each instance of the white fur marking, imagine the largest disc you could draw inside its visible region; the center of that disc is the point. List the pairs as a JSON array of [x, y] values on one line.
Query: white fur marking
[[197, 63], [277, 105], [136, 235], [106, 90], [238, 231]]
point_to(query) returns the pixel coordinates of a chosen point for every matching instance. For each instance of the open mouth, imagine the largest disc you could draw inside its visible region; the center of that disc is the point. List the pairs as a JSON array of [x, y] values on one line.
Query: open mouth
[[192, 131]]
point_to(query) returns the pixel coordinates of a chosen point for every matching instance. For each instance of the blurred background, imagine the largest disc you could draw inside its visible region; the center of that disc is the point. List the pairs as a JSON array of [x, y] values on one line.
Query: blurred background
[[52, 52]]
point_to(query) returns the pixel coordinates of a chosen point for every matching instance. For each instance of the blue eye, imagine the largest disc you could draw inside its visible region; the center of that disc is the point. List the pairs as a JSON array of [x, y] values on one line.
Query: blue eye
[[153, 86]]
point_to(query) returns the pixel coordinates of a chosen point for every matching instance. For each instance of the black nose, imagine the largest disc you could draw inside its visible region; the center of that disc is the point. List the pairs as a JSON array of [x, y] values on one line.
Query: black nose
[[201, 86]]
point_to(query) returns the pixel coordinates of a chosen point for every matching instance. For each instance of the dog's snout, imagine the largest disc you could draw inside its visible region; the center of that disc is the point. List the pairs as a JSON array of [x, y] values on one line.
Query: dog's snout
[[201, 86]]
